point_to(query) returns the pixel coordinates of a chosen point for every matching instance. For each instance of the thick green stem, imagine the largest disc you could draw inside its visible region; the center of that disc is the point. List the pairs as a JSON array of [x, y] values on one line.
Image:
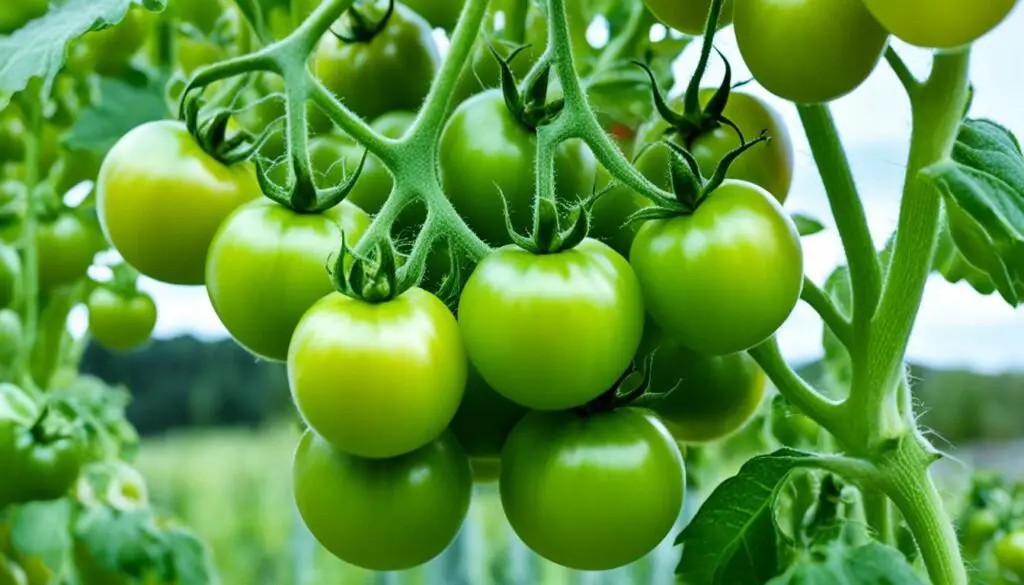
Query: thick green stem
[[30, 250], [937, 109], [911, 488]]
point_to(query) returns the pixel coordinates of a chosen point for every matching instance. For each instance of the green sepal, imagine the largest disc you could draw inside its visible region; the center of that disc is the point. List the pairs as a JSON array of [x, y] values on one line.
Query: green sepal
[[361, 29], [529, 106], [686, 180], [451, 284], [367, 279], [678, 123], [723, 165], [509, 87]]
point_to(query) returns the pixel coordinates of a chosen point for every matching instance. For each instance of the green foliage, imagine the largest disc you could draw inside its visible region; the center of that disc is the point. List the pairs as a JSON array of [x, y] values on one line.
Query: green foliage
[[122, 105], [870, 564]]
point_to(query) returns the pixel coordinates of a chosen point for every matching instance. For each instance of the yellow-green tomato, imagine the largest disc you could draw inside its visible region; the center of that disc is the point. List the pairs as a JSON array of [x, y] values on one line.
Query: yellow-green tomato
[[162, 210], [383, 514], [714, 395], [552, 331], [591, 492], [66, 250], [378, 379], [688, 16], [724, 279], [118, 323], [940, 24], [809, 51], [392, 71], [268, 265]]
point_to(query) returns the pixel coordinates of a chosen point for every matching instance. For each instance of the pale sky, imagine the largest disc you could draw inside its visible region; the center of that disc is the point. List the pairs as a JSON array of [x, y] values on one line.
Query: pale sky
[[957, 327]]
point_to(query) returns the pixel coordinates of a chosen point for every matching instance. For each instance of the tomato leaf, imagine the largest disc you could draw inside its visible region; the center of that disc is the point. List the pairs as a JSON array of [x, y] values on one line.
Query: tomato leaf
[[126, 542], [983, 187], [39, 49], [188, 560], [41, 529], [121, 107], [734, 538], [870, 564], [807, 225]]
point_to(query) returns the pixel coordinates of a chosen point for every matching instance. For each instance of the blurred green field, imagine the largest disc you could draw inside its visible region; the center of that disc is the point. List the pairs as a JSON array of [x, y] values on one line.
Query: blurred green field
[[233, 487]]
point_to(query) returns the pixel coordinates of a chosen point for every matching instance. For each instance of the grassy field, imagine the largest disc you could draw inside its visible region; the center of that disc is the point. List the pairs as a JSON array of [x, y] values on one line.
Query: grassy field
[[234, 488]]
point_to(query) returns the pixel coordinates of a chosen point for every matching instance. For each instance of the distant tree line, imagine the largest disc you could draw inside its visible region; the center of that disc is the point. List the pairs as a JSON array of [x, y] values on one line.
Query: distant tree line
[[184, 382]]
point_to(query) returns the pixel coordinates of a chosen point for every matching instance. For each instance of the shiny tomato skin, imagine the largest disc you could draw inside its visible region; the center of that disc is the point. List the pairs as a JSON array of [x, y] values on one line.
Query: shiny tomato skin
[[591, 492], [808, 51], [688, 16], [552, 331], [939, 24], [378, 379], [609, 215], [267, 266], [66, 250], [724, 279], [768, 165], [440, 13], [1009, 553], [120, 324], [714, 396], [383, 514], [484, 419], [393, 71], [484, 149], [162, 210]]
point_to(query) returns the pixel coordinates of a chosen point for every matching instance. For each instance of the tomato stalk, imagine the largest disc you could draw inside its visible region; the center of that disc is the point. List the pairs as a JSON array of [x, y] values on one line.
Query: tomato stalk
[[30, 251], [822, 304]]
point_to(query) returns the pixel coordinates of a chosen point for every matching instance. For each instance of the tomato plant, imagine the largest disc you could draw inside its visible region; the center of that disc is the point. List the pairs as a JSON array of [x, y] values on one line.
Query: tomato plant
[[517, 305], [338, 496], [320, 161], [591, 492], [837, 46]]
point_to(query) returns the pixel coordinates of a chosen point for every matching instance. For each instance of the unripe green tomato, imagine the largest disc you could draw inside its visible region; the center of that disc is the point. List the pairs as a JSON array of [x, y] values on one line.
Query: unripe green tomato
[[196, 53], [483, 421], [202, 14], [688, 16], [267, 265], [796, 429], [10, 336], [1009, 551], [10, 276], [940, 24], [383, 514], [440, 13], [980, 527], [118, 323], [110, 50], [609, 214], [66, 250], [392, 71], [18, 13]]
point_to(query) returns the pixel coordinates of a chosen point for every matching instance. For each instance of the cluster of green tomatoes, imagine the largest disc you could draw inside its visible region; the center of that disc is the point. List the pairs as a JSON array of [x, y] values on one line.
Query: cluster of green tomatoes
[[529, 378]]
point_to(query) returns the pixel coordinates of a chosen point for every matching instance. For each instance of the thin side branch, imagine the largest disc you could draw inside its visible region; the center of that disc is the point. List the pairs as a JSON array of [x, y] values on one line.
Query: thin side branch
[[814, 296], [910, 83]]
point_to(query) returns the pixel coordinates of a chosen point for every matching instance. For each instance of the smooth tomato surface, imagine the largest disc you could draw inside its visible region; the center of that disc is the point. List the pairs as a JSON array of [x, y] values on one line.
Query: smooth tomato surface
[[383, 514], [724, 279], [552, 331], [591, 492], [378, 379], [486, 153], [768, 165], [808, 51], [66, 250], [484, 420], [714, 395], [688, 16], [393, 71], [267, 266], [161, 199], [939, 23], [118, 323], [1009, 551]]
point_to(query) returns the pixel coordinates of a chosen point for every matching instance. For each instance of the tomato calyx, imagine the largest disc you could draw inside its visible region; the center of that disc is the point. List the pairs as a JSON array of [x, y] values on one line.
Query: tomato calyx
[[362, 29], [632, 388], [527, 105], [302, 195], [373, 280], [548, 235]]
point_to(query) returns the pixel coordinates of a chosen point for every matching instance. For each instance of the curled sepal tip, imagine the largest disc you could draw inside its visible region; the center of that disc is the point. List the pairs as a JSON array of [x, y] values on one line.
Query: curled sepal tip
[[632, 387], [362, 29], [684, 172], [723, 165], [550, 233], [370, 279], [451, 284], [678, 123]]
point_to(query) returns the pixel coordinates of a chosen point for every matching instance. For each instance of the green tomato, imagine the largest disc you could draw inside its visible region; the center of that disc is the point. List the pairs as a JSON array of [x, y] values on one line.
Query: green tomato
[[609, 215], [486, 153], [1009, 551], [808, 51], [393, 71], [724, 279], [162, 210], [202, 14], [378, 379], [10, 337], [939, 24], [440, 13], [591, 492], [483, 71], [10, 276], [688, 16], [552, 331], [109, 51], [981, 526], [769, 165], [796, 429], [267, 266], [18, 13], [196, 53], [483, 421], [336, 157], [119, 323], [383, 514], [66, 250], [714, 396]]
